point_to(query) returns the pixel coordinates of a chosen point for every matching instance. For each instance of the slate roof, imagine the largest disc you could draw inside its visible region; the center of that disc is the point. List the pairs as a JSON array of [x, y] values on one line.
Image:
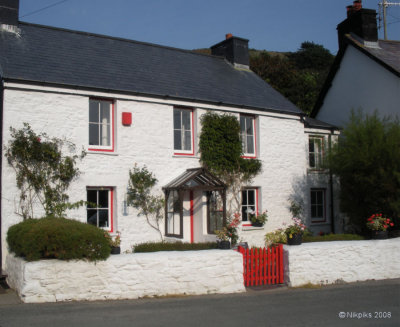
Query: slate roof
[[387, 54], [315, 123], [51, 55]]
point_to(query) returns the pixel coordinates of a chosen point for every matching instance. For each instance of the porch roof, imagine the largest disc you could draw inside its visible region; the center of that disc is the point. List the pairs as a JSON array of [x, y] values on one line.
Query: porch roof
[[196, 178]]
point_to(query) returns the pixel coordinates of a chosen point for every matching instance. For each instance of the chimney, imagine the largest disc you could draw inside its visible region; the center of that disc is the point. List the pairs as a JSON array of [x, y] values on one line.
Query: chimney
[[9, 12], [234, 49], [361, 22]]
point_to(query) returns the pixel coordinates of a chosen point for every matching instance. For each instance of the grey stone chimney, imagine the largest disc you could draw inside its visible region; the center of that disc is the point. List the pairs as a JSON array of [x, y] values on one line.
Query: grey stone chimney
[[361, 22], [9, 10], [234, 49]]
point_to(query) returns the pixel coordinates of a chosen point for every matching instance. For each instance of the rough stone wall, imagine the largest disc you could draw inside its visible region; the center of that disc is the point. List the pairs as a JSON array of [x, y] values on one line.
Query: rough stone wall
[[127, 276], [341, 261]]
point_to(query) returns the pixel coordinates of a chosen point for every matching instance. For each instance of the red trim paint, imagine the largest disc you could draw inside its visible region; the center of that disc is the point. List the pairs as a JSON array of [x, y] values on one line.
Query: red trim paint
[[191, 218], [112, 130], [192, 153], [127, 118], [111, 190], [247, 225], [257, 201]]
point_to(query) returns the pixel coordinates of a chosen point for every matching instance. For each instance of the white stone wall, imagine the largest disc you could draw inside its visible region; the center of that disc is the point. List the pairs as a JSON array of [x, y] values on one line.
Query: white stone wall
[[127, 276], [341, 261], [148, 141]]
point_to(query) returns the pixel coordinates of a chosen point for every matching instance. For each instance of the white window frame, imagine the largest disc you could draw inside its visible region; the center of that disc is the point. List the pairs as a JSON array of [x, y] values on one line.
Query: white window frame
[[103, 125], [245, 217], [244, 135], [318, 153], [182, 130], [110, 227], [318, 219]]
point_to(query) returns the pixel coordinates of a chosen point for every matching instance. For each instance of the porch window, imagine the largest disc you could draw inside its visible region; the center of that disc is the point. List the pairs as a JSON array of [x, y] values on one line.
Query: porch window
[[100, 207], [173, 214], [315, 146], [249, 203], [248, 136], [183, 131], [101, 125], [318, 205], [215, 212]]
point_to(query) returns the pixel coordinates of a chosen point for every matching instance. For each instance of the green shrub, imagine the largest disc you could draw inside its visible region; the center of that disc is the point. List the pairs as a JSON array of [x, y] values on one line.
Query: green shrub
[[178, 246], [333, 237], [57, 238], [275, 237]]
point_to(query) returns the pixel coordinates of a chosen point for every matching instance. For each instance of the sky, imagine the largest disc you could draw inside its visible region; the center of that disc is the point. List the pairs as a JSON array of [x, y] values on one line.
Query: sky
[[191, 24]]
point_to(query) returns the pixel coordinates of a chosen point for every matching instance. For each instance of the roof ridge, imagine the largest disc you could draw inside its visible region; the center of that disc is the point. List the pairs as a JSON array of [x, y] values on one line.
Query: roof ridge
[[120, 39]]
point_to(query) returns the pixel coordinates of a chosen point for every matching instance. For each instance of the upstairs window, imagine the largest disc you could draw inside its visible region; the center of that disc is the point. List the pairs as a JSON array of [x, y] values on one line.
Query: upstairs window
[[315, 151], [248, 136], [101, 125], [100, 207], [183, 131]]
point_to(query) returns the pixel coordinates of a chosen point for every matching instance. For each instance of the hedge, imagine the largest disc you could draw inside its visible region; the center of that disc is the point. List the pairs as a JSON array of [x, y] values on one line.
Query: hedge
[[176, 246]]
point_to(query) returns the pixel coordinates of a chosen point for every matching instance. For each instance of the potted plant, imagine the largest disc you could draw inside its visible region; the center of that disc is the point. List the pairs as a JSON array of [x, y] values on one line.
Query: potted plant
[[378, 225], [258, 220], [114, 242], [294, 232], [228, 234]]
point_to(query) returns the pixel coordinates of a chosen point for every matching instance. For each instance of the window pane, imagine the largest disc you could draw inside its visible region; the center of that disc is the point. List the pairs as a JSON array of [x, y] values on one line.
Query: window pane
[[105, 112], [186, 119], [249, 125], [313, 211], [312, 160], [311, 145], [251, 194], [242, 124], [244, 197], [177, 140], [103, 218], [320, 212], [94, 111], [177, 119], [103, 199], [94, 134], [92, 198], [92, 216], [250, 144], [176, 224], [188, 145], [319, 197], [105, 134], [313, 198], [170, 225]]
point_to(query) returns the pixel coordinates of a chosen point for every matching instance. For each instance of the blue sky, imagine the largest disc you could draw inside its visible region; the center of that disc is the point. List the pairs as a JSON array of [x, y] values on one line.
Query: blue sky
[[272, 25]]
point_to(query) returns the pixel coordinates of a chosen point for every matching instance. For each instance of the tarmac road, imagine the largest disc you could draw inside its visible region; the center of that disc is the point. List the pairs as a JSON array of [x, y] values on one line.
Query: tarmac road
[[372, 303]]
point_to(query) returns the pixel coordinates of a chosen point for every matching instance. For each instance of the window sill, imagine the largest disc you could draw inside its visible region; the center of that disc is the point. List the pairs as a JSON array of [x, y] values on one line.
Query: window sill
[[107, 153], [317, 171], [183, 155], [318, 223], [251, 228]]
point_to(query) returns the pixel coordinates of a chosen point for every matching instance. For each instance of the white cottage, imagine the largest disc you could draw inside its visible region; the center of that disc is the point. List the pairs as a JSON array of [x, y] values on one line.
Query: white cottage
[[365, 74], [128, 102]]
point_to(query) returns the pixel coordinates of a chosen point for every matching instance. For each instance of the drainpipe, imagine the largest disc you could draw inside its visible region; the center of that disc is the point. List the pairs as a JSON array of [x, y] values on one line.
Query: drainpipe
[[332, 209]]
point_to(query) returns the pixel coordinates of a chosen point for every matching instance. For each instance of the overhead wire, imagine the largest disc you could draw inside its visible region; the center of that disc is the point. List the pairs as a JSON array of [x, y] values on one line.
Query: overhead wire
[[44, 8]]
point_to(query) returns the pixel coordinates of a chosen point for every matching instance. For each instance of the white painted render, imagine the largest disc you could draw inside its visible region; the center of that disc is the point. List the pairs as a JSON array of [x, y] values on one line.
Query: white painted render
[[341, 261], [281, 140], [360, 83], [127, 276]]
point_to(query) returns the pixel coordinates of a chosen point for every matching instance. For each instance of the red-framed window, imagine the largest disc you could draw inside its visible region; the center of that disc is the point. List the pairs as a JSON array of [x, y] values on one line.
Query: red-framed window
[[318, 205], [183, 131], [249, 203], [101, 125], [248, 135], [100, 207]]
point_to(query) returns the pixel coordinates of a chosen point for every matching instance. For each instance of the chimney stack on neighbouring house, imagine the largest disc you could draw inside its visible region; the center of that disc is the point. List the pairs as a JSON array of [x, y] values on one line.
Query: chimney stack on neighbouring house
[[234, 49], [361, 22], [9, 12]]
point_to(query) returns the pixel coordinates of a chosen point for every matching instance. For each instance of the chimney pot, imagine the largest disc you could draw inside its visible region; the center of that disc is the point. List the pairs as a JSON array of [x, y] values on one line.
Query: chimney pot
[[228, 36]]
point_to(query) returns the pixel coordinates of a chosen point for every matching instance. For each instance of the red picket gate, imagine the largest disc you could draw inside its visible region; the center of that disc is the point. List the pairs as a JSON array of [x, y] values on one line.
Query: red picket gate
[[262, 266]]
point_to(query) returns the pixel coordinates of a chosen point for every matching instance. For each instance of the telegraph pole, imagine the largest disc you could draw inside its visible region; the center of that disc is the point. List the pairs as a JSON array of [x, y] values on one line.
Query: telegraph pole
[[384, 5]]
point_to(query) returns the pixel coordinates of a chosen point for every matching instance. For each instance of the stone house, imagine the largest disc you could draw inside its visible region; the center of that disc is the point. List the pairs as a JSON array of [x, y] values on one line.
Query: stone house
[[128, 102], [365, 74]]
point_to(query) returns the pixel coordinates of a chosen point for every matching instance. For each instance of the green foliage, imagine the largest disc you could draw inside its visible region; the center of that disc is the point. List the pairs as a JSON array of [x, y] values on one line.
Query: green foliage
[[43, 173], [276, 237], [332, 237], [178, 246], [367, 161], [57, 238], [299, 76], [141, 182]]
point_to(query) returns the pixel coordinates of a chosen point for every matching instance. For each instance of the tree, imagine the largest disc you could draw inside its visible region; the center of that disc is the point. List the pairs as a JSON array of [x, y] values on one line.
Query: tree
[[141, 182], [43, 173], [221, 152], [367, 162]]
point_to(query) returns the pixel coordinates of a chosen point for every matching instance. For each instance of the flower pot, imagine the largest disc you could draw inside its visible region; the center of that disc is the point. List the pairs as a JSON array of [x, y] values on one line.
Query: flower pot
[[379, 234], [115, 250], [257, 224], [224, 245], [296, 239]]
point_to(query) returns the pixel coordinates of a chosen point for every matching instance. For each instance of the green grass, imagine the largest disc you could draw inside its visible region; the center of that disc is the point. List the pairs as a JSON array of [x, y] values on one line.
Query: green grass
[[333, 237], [178, 246]]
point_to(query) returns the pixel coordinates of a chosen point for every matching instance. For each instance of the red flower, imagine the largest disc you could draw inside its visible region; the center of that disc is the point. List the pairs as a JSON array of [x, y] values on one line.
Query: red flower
[[391, 224]]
